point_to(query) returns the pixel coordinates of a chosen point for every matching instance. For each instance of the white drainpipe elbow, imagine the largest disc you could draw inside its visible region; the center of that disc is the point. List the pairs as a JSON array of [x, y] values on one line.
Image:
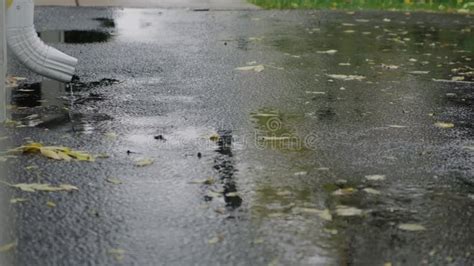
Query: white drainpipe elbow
[[25, 44]]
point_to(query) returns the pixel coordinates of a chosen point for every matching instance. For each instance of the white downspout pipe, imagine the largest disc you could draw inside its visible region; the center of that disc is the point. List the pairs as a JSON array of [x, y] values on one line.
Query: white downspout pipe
[[25, 44]]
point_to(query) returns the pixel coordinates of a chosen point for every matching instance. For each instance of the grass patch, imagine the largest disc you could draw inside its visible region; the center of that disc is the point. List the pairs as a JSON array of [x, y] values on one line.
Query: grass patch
[[463, 6]]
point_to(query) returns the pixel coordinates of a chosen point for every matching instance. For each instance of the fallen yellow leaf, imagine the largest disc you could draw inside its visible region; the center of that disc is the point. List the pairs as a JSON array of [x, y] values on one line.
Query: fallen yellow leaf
[[207, 181], [81, 156], [411, 227], [215, 239], [63, 156], [17, 200], [344, 191], [8, 247], [375, 177], [342, 210], [444, 125], [330, 52], [143, 162], [346, 77], [114, 181], [256, 68], [50, 154], [33, 187], [214, 137], [54, 152], [117, 253]]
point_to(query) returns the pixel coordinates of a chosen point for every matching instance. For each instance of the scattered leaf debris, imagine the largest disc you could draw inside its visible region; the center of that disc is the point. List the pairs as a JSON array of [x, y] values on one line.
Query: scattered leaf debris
[[17, 200], [342, 210], [33, 187], [330, 52], [214, 137], [389, 67], [232, 194], [114, 181], [302, 173], [411, 227], [418, 72], [346, 77], [143, 162], [256, 68], [444, 125], [344, 191], [54, 152], [215, 239], [8, 247], [375, 177], [117, 253]]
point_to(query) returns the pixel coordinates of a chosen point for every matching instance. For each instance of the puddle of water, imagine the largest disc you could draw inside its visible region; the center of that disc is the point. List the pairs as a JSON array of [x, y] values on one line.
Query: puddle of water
[[75, 36], [45, 93], [342, 116], [49, 104], [53, 93], [272, 200], [274, 131], [73, 122]]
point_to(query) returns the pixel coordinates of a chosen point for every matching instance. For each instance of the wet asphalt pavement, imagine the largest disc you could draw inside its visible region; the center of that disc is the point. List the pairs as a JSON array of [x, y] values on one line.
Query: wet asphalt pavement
[[281, 144]]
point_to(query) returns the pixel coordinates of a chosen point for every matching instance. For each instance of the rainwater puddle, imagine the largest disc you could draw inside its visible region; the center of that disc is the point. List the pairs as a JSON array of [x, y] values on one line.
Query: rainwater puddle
[[50, 104], [53, 93], [75, 36], [275, 131]]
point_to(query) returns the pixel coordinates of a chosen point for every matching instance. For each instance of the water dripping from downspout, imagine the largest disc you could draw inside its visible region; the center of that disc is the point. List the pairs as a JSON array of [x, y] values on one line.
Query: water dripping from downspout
[[71, 104]]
